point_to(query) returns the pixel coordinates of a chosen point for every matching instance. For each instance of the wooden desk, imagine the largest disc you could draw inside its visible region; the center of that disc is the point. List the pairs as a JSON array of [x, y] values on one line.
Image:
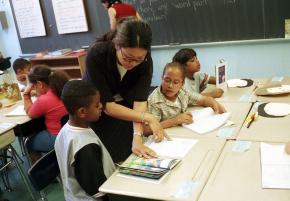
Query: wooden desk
[[73, 63], [238, 111], [14, 119], [278, 98], [237, 176], [195, 166], [266, 129]]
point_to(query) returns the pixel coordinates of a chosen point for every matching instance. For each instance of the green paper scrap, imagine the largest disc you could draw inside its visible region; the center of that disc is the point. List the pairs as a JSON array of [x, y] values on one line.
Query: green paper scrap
[[241, 146]]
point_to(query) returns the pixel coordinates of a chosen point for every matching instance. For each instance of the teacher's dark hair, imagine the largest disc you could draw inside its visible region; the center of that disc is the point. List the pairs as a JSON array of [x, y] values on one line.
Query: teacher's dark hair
[[132, 32]]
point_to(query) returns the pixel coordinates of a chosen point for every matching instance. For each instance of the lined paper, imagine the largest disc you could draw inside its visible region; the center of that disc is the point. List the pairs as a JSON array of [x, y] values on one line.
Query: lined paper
[[70, 16], [29, 18]]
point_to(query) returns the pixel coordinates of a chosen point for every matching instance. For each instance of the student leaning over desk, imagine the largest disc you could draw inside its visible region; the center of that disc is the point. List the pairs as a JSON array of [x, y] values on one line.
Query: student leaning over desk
[[121, 68], [195, 80], [83, 160], [48, 86], [169, 102]]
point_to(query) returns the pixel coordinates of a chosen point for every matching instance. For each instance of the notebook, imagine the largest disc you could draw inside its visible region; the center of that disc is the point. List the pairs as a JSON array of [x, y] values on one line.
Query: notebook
[[206, 120]]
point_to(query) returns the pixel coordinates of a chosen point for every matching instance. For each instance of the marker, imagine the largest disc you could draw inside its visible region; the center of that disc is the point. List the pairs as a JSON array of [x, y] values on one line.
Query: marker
[[253, 117]]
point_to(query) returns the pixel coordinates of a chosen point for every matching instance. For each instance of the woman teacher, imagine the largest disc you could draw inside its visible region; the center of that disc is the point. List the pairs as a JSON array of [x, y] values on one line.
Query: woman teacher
[[121, 67]]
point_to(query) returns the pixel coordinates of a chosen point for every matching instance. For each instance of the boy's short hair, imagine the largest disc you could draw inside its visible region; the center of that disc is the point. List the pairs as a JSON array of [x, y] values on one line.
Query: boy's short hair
[[77, 94], [183, 55], [20, 64]]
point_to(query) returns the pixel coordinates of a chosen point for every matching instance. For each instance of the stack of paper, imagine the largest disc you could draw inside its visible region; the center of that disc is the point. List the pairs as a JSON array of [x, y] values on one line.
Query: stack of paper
[[275, 166], [206, 120]]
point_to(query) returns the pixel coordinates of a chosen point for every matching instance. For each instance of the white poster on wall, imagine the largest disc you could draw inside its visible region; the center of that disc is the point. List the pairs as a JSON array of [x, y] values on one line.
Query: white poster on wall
[[28, 18], [70, 16]]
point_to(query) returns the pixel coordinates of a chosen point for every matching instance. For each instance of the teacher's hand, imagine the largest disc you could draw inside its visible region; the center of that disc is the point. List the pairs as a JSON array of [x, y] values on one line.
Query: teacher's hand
[[140, 150], [156, 128]]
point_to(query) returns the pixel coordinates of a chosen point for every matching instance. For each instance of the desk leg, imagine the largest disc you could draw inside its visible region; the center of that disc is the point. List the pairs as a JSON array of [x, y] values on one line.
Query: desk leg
[[21, 172]]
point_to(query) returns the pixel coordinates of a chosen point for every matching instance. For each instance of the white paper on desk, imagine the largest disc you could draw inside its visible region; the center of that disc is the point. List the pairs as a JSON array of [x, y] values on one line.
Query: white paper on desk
[[277, 109], [237, 83], [275, 166], [18, 111], [174, 148], [206, 120]]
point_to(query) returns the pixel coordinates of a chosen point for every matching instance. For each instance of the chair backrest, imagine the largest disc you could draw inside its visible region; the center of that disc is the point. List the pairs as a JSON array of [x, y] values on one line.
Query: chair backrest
[[44, 171]]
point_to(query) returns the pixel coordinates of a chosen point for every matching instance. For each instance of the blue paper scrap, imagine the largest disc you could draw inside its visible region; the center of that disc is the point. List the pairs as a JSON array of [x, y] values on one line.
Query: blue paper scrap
[[277, 79], [225, 132], [241, 146], [185, 190], [246, 97]]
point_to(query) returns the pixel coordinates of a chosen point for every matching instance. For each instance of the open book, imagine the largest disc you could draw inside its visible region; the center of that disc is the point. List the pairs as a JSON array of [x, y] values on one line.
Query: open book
[[170, 153], [153, 168], [206, 120]]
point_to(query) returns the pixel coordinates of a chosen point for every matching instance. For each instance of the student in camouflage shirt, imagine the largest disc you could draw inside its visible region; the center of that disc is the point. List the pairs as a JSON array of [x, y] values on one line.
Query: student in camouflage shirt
[[169, 102]]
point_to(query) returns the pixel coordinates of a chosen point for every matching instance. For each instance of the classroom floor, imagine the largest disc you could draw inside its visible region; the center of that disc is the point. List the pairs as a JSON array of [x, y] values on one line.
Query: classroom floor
[[19, 193]]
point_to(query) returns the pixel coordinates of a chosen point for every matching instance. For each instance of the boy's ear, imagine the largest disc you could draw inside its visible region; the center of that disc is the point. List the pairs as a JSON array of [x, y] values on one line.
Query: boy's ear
[[81, 112]]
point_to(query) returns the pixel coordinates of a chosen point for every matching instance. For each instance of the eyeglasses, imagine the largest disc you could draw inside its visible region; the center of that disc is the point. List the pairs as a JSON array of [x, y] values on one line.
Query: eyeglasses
[[174, 83], [129, 59]]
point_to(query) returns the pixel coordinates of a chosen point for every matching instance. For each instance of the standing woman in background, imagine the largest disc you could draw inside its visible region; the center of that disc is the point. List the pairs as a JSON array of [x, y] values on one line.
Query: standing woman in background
[[118, 10], [121, 68], [48, 86]]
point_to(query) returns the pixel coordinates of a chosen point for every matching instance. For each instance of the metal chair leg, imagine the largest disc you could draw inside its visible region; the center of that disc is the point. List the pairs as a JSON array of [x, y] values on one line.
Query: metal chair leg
[[21, 144], [21, 172], [17, 155]]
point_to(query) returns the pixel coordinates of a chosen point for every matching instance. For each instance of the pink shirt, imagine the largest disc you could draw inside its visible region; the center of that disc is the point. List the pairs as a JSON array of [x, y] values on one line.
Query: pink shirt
[[52, 108]]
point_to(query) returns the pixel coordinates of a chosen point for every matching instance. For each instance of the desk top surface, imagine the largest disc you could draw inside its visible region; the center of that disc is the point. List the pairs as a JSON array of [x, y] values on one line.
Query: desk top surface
[[14, 119], [237, 176], [194, 167], [266, 129]]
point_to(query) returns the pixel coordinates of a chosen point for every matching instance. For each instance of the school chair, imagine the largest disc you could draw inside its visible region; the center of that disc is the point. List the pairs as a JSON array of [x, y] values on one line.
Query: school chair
[[8, 157], [43, 172]]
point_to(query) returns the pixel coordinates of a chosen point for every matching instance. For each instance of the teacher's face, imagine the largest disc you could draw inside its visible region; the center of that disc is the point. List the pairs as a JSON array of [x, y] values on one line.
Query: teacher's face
[[130, 57]]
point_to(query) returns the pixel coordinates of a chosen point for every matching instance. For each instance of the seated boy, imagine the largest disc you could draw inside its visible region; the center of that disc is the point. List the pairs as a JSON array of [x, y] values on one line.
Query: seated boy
[[83, 160], [195, 80], [169, 102], [21, 68]]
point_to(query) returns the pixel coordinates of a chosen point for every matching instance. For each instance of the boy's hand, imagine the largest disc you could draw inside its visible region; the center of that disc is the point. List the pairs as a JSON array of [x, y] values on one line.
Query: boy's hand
[[139, 149], [21, 77], [216, 93], [218, 108], [184, 118]]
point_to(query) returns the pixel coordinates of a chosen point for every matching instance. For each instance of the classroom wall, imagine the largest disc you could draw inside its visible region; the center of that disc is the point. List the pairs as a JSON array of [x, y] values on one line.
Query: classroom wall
[[9, 44], [263, 58], [250, 59]]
